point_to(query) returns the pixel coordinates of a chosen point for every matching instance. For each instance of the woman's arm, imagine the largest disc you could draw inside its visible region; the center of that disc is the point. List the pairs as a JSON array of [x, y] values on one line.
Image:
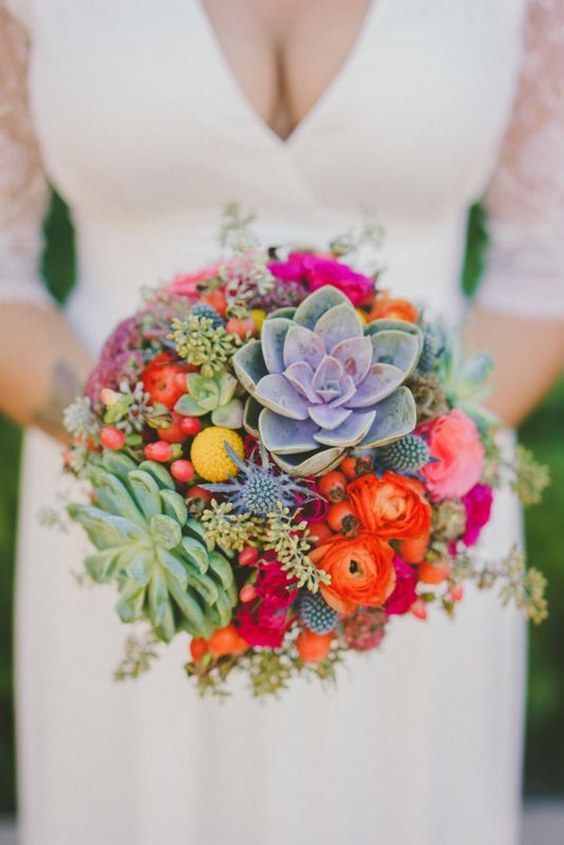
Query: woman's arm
[[519, 313], [43, 366], [528, 355], [41, 362]]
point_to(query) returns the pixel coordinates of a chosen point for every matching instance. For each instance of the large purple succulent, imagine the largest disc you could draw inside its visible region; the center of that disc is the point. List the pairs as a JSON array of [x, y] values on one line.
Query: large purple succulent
[[321, 382]]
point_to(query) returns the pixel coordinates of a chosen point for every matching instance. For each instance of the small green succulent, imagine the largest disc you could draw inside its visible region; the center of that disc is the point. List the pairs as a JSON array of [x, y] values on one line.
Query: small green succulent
[[213, 395], [164, 572]]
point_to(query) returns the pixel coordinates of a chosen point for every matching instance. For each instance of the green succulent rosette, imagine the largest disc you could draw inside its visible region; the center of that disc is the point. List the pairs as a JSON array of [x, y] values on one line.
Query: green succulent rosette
[[157, 556]]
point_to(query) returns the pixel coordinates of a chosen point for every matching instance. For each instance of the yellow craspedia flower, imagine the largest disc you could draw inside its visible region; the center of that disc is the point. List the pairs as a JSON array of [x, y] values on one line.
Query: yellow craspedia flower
[[258, 316], [208, 454]]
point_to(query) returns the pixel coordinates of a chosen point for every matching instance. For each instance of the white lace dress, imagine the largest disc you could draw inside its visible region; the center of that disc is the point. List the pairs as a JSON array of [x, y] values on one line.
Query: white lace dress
[[134, 115]]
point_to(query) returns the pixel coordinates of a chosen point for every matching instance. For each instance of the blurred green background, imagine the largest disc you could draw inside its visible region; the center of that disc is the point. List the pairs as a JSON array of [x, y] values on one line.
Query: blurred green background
[[543, 432]]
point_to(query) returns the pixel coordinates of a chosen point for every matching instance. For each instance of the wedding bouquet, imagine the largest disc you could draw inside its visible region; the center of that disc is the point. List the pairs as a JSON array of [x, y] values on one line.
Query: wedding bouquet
[[280, 457]]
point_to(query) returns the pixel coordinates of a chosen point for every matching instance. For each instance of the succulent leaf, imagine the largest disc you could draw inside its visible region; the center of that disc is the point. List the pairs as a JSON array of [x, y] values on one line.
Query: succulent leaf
[[311, 309], [272, 339], [395, 417]]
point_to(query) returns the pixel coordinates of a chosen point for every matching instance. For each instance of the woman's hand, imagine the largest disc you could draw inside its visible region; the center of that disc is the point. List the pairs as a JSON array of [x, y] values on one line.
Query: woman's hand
[[528, 356], [43, 366]]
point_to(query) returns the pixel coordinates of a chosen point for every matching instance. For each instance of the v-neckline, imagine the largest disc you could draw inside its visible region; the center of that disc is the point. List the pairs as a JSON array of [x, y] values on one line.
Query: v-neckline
[[330, 91]]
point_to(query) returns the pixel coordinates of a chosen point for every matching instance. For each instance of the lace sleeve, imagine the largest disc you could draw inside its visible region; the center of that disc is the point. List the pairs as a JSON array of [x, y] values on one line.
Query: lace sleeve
[[23, 188], [525, 200]]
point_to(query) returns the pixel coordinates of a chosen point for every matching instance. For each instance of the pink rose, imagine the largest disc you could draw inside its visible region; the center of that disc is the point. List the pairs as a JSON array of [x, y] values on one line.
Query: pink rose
[[404, 594], [478, 504], [265, 620], [455, 446], [186, 284], [318, 271]]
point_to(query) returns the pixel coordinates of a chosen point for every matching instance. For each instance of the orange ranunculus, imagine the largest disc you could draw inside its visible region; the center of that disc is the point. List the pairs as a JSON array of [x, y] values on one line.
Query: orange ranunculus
[[393, 507], [395, 309], [361, 570]]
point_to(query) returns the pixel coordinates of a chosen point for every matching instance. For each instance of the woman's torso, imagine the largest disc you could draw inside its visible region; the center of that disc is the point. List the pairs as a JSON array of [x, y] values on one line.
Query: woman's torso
[[147, 133]]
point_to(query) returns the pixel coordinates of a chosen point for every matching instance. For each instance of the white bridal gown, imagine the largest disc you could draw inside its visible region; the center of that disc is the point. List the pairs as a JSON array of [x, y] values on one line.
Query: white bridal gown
[[135, 116]]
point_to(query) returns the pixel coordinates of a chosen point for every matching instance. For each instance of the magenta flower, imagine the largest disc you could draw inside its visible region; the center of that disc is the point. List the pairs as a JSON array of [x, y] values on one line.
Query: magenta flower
[[317, 271], [478, 505], [404, 594], [265, 620]]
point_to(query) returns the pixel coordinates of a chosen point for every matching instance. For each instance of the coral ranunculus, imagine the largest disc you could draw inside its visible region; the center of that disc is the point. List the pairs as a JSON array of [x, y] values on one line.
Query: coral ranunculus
[[187, 284], [361, 570], [393, 507], [396, 309], [454, 443]]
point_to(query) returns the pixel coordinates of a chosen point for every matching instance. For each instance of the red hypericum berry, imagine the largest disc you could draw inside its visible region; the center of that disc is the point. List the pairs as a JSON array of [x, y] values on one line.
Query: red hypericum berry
[[174, 433], [248, 557], [247, 593], [198, 647], [457, 592], [182, 470], [165, 379], [112, 438], [244, 328], [190, 426], [341, 517], [419, 609], [196, 492], [159, 451], [333, 486]]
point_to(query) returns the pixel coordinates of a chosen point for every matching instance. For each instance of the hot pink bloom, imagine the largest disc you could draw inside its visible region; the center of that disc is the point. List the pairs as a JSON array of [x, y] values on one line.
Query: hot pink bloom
[[187, 284], [318, 271], [478, 504], [265, 620], [454, 443], [404, 594]]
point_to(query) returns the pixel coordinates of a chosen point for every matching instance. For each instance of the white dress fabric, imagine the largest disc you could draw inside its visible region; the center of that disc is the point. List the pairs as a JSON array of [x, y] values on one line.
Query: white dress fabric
[[142, 128]]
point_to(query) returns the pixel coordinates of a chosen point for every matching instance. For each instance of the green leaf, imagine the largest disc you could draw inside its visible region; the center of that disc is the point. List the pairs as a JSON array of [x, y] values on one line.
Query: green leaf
[[105, 530], [139, 570], [112, 495], [224, 608], [165, 531], [131, 603], [161, 475], [229, 415], [146, 492], [189, 407], [222, 568], [101, 565], [195, 620], [174, 506], [159, 606], [173, 566], [196, 554], [227, 387]]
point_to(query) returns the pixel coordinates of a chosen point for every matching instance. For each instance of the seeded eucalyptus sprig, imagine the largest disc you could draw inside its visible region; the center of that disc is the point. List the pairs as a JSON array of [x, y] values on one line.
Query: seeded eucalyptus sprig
[[203, 344]]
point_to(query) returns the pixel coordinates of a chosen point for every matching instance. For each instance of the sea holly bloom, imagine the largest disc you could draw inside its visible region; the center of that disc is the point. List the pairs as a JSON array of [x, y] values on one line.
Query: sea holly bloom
[[361, 571], [318, 271], [321, 382], [454, 443]]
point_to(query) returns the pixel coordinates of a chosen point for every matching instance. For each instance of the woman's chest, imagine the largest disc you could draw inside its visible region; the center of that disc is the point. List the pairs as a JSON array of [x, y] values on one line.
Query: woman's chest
[[138, 110]]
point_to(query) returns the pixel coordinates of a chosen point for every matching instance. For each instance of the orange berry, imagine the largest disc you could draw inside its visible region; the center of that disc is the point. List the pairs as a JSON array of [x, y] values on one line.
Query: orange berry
[[248, 557], [198, 647], [247, 593], [457, 592], [312, 647], [333, 486], [226, 641], [217, 300], [244, 328], [341, 517], [353, 466], [320, 533], [432, 573]]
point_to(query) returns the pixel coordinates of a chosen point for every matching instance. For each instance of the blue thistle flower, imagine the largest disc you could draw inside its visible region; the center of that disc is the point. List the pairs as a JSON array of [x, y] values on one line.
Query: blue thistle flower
[[259, 488], [315, 613], [406, 455], [202, 309]]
